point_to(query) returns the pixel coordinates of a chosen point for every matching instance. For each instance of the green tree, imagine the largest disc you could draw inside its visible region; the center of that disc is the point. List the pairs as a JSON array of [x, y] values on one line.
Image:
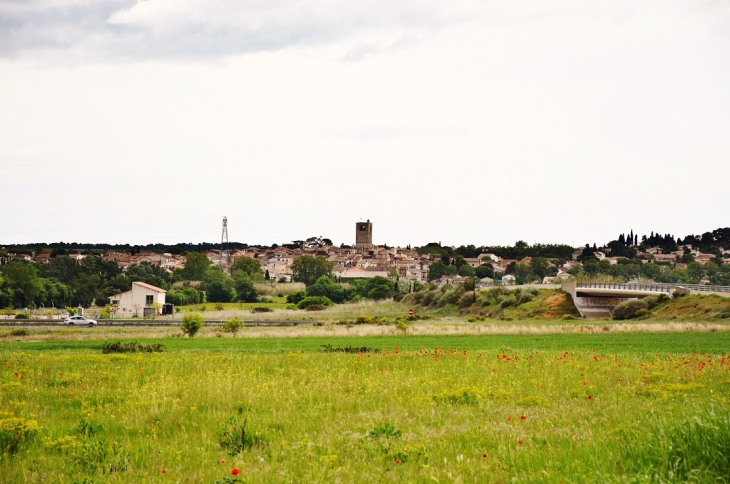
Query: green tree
[[326, 286], [540, 267], [250, 266], [22, 279], [523, 274], [185, 296], [245, 289], [695, 271], [308, 269], [379, 287], [484, 270], [450, 271], [195, 267], [466, 271], [150, 274], [436, 270]]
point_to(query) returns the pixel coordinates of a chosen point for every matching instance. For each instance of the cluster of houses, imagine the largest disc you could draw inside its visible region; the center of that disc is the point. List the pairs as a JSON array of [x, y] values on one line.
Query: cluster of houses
[[364, 260]]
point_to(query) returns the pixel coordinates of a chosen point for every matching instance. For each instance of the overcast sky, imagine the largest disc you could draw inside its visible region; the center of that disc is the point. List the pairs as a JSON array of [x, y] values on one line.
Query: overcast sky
[[480, 122]]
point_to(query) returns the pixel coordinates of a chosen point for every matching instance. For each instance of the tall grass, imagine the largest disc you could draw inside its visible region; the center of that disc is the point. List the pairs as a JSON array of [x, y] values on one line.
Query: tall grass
[[394, 415], [275, 288]]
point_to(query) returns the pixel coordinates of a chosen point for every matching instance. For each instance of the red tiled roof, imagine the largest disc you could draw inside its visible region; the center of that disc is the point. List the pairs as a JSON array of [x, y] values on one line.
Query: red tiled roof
[[149, 286]]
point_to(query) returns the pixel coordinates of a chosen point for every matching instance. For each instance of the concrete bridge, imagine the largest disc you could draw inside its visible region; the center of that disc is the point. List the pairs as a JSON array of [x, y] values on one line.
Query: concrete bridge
[[597, 299]]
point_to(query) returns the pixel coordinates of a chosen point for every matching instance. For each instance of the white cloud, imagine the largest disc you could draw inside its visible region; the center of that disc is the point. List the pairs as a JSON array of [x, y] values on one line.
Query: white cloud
[[159, 29], [456, 121]]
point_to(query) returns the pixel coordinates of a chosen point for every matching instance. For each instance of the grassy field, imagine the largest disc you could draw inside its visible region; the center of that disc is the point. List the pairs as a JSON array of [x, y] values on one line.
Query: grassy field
[[596, 408]]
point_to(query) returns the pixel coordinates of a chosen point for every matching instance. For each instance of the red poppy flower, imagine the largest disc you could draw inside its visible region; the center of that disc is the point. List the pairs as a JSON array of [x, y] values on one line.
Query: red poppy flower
[[590, 397], [519, 441], [164, 471], [509, 419], [235, 471], [223, 461], [15, 374], [484, 454], [397, 461], [523, 417], [70, 394]]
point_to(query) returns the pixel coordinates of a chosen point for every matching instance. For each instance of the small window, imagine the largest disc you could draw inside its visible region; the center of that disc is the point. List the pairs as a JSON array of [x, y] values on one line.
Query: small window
[[150, 300], [115, 303]]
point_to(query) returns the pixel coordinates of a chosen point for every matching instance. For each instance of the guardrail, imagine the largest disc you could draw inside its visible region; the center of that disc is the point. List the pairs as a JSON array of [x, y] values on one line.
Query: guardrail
[[655, 287], [631, 286], [144, 322]]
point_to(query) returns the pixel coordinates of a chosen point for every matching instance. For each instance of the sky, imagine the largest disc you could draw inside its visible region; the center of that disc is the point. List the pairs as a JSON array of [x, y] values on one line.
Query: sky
[[460, 122]]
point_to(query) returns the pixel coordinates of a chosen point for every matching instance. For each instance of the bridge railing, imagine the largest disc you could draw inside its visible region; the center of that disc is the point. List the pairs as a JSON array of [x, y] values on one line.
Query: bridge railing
[[654, 287]]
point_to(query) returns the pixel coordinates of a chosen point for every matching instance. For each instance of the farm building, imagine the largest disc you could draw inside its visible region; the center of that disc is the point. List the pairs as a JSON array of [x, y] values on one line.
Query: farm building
[[142, 300]]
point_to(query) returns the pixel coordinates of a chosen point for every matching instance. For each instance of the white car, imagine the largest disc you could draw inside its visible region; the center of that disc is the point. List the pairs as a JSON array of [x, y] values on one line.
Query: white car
[[79, 320]]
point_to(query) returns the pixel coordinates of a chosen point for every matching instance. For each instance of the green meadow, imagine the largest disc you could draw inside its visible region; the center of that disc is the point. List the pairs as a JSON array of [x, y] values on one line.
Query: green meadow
[[451, 408]]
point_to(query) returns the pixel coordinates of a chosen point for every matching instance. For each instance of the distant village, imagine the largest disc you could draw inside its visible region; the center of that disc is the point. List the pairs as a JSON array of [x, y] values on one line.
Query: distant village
[[364, 260]]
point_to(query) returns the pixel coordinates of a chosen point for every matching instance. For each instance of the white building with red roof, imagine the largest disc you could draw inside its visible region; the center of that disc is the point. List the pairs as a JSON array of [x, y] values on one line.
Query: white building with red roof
[[143, 298]]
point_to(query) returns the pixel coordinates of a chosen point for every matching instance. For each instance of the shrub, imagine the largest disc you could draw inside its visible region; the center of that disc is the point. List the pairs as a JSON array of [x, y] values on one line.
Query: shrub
[[525, 297], [567, 317], [319, 300], [296, 297], [261, 309], [219, 306], [654, 301], [13, 431], [22, 316], [449, 297], [402, 325], [105, 312], [19, 332], [315, 307], [630, 309], [466, 300], [191, 324], [71, 311], [386, 430], [234, 437], [465, 395], [131, 347], [328, 348], [365, 320], [507, 302], [232, 326]]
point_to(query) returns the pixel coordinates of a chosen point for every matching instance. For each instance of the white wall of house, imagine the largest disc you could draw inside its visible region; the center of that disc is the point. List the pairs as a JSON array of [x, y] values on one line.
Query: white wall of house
[[133, 302]]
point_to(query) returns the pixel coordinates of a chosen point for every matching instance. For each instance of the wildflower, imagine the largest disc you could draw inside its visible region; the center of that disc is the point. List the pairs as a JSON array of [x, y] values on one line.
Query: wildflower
[[509, 419], [15, 374], [302, 351], [484, 454], [223, 461], [519, 441], [590, 397], [523, 417], [70, 394], [164, 471], [397, 461], [235, 471]]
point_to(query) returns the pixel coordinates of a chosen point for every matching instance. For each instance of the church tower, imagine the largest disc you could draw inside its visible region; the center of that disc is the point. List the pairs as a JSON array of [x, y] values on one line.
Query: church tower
[[364, 235]]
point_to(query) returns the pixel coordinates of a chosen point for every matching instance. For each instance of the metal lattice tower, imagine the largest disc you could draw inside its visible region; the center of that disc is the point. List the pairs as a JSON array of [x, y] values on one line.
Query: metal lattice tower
[[224, 243]]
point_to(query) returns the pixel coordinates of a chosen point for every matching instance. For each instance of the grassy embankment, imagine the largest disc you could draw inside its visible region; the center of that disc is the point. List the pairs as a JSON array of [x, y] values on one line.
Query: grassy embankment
[[597, 408]]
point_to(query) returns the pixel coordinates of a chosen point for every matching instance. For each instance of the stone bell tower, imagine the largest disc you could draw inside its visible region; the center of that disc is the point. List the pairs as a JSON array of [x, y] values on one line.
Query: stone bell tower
[[364, 235]]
